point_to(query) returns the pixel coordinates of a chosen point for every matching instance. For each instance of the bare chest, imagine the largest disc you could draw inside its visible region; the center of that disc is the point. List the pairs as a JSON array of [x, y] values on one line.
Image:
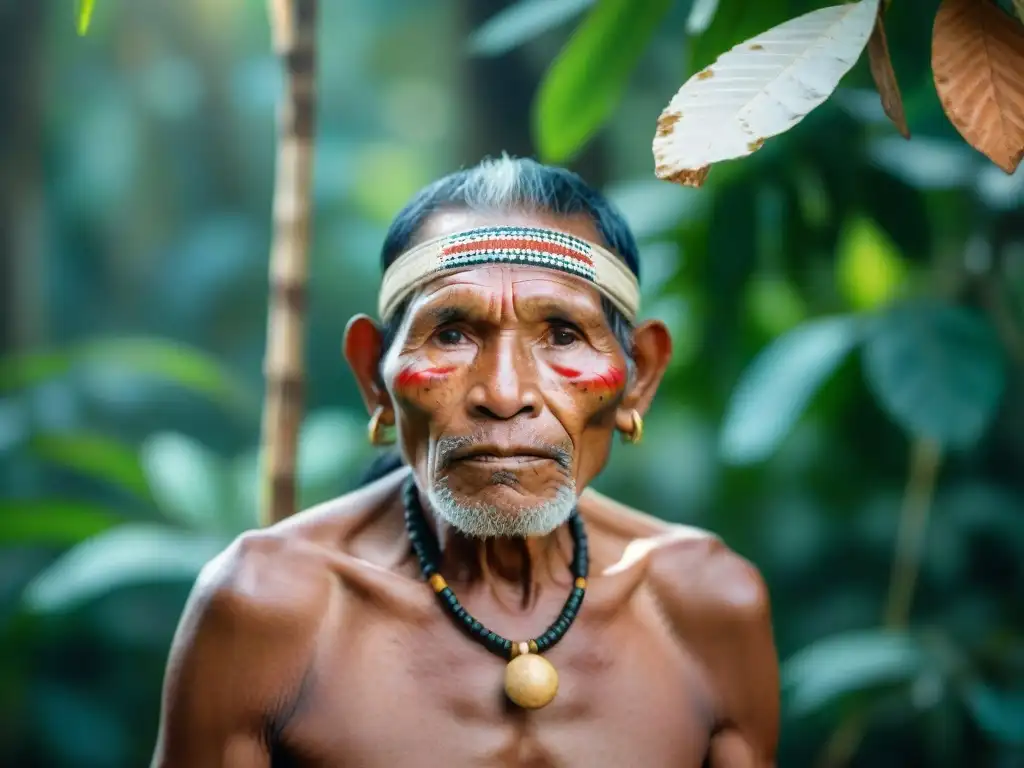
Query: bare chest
[[392, 693]]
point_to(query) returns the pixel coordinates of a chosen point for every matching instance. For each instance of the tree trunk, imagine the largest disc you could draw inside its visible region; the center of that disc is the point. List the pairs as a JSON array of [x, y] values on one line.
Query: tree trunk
[[22, 307], [293, 25]]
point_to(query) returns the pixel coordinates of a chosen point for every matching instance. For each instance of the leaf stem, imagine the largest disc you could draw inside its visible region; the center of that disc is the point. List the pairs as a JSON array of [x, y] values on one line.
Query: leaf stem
[[1003, 318], [925, 460]]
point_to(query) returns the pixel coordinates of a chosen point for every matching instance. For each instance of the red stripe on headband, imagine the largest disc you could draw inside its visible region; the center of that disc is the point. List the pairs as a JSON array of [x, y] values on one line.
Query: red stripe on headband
[[501, 243]]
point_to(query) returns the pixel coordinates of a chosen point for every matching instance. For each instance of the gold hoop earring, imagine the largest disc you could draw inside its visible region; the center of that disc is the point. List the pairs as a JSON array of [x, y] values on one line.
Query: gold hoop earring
[[376, 431], [635, 435]]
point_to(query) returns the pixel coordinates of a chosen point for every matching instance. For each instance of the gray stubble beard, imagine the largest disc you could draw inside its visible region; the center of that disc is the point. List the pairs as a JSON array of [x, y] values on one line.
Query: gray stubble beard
[[483, 521]]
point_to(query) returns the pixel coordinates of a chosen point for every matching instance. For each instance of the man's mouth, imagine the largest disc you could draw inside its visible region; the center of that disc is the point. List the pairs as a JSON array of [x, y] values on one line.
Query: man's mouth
[[508, 457]]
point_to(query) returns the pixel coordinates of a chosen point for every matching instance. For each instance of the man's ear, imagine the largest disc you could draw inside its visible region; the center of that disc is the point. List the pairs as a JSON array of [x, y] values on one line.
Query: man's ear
[[652, 350], [362, 350]]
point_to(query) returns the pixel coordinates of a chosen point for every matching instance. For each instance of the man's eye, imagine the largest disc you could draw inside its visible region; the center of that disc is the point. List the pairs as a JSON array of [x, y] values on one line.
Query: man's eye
[[449, 336], [562, 336]]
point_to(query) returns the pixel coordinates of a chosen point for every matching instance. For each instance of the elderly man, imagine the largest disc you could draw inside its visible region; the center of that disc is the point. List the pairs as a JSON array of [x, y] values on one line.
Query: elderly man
[[473, 604]]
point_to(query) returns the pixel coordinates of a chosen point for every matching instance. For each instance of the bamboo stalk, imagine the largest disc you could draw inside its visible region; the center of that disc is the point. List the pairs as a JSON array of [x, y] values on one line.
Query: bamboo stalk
[[293, 26]]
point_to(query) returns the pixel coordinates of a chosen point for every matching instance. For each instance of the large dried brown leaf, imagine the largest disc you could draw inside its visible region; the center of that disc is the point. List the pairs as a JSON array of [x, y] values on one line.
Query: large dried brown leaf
[[885, 76], [978, 64]]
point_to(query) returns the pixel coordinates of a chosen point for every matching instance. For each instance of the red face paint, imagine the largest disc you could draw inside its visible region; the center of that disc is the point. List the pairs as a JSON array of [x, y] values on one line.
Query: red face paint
[[569, 373], [414, 378], [610, 380]]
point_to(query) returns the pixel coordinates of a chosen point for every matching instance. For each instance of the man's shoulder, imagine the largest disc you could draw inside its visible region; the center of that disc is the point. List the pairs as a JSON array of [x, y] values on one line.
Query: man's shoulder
[[694, 570], [690, 568], [286, 572], [265, 579]]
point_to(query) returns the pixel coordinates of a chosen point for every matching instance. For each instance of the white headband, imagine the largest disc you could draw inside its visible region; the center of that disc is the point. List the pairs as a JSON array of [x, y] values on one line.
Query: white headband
[[510, 245]]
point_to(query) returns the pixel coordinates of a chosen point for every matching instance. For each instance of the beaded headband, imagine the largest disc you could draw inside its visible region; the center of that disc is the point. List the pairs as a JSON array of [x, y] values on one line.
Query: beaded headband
[[510, 245]]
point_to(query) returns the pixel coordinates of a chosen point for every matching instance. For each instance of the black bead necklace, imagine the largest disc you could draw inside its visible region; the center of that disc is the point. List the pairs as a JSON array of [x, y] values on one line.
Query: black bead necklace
[[530, 680]]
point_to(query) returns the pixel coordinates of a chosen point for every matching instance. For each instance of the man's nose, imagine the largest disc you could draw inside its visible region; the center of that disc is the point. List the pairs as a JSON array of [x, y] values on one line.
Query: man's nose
[[506, 382]]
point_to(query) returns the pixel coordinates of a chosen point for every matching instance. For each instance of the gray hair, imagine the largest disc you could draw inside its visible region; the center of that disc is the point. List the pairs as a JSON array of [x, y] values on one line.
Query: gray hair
[[508, 184]]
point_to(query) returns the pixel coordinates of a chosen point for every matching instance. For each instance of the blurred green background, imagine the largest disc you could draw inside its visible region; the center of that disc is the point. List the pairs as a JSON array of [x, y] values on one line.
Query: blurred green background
[[848, 310]]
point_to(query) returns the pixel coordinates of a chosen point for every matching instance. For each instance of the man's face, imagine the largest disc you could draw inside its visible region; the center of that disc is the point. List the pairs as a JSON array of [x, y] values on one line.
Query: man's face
[[507, 385]]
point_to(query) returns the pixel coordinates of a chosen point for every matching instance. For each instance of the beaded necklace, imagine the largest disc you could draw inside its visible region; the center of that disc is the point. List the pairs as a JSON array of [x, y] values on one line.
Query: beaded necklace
[[530, 680]]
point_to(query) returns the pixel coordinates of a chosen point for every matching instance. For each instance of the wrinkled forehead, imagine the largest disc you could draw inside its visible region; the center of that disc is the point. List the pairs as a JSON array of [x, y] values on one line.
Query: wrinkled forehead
[[507, 293]]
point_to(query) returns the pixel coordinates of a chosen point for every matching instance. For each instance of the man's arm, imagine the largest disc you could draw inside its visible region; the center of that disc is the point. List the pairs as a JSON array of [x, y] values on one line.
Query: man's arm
[[719, 604], [749, 688], [239, 654]]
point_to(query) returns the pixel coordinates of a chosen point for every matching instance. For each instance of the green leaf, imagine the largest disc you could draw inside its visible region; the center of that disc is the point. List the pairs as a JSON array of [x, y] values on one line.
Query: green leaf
[[834, 667], [1000, 714], [520, 23], [938, 370], [51, 522], [85, 9], [190, 484], [702, 13], [586, 80], [166, 359], [331, 444], [775, 389], [33, 368], [128, 555], [870, 270], [172, 361], [94, 456]]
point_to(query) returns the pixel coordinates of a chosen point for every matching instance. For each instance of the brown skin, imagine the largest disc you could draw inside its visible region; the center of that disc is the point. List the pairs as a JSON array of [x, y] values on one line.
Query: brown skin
[[318, 640]]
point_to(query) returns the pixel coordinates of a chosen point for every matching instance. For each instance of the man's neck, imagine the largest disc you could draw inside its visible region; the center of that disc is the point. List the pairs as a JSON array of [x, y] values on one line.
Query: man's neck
[[515, 570]]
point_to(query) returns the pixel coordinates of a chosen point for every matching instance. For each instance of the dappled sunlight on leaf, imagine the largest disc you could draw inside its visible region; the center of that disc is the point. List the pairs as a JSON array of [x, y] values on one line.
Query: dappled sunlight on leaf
[[819, 675], [85, 11], [775, 389], [189, 482], [702, 13], [521, 22], [869, 269]]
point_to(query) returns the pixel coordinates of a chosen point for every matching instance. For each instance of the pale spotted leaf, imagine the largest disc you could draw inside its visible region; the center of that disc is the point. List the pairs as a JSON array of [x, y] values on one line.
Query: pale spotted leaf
[[759, 89]]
